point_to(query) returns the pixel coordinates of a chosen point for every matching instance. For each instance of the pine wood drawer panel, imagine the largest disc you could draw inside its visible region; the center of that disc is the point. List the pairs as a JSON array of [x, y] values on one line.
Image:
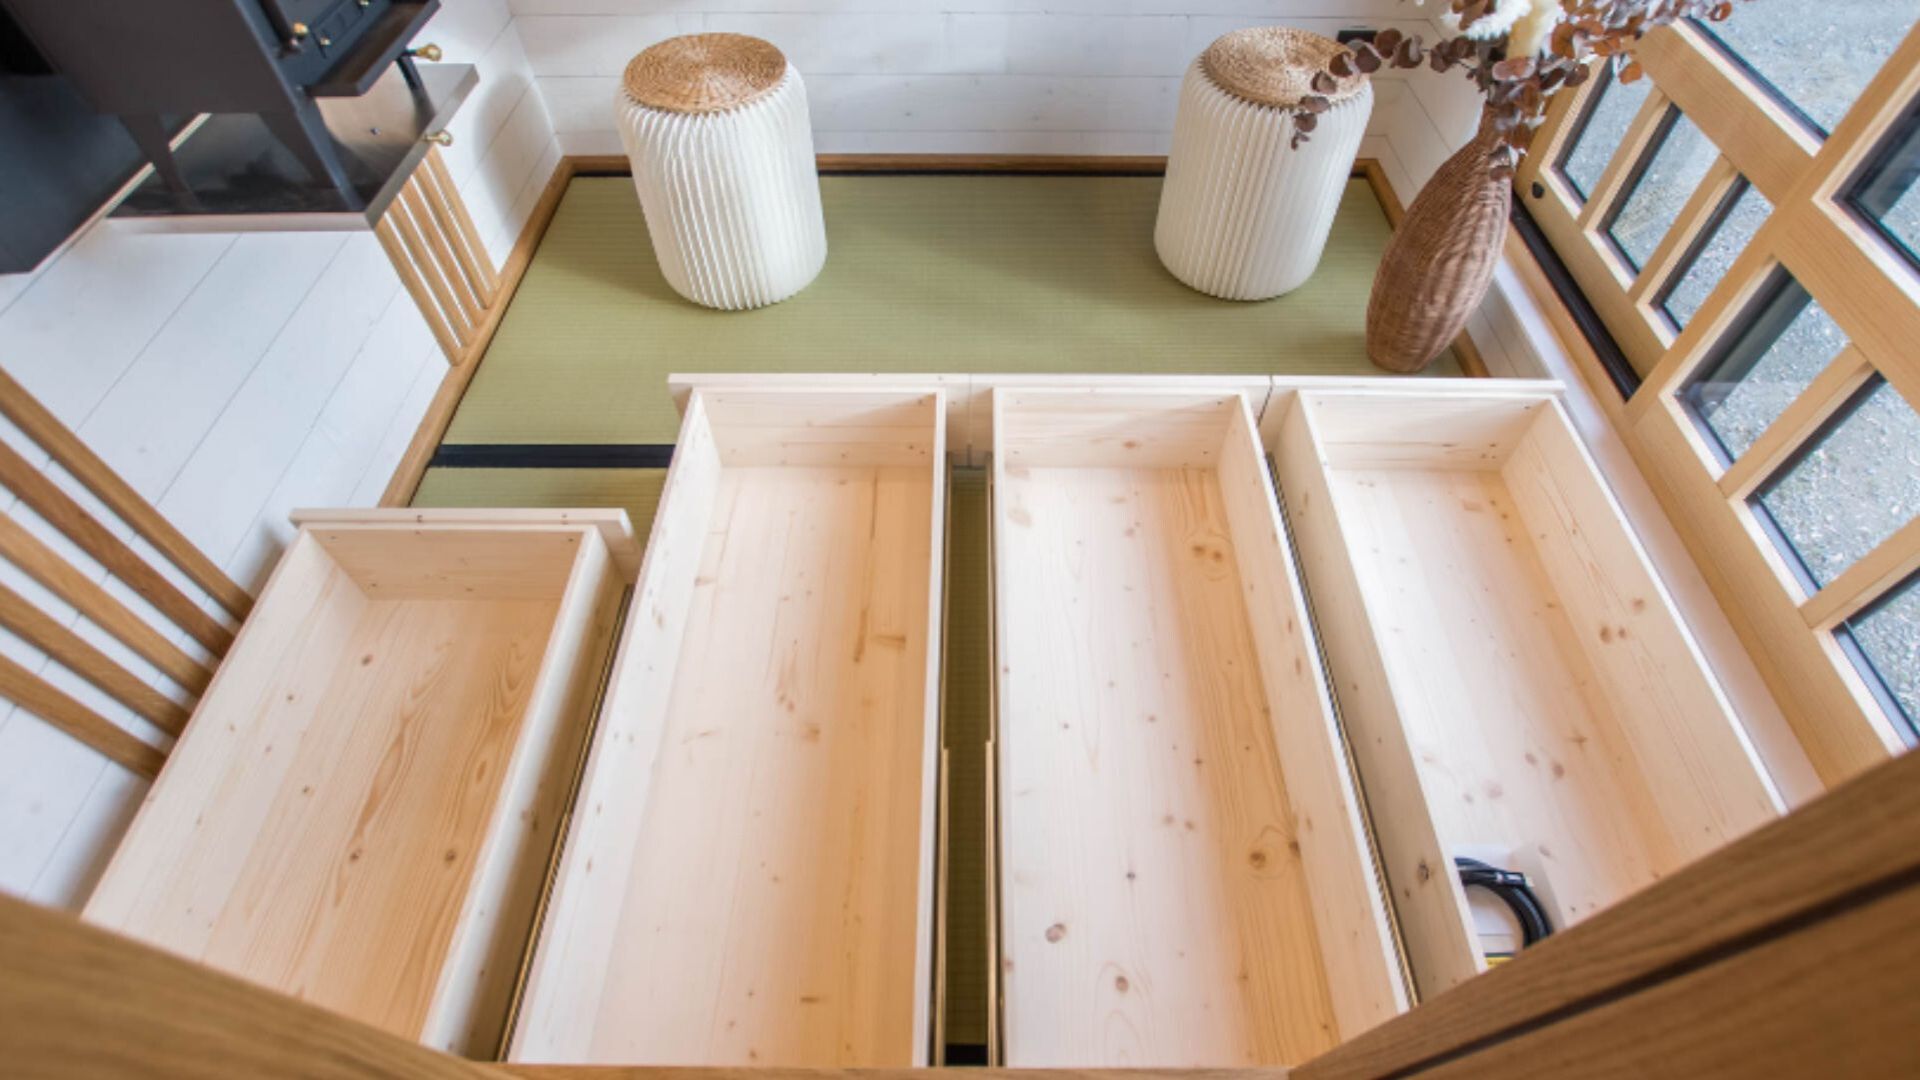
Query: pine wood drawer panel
[[362, 807], [1512, 673], [1183, 877], [748, 879]]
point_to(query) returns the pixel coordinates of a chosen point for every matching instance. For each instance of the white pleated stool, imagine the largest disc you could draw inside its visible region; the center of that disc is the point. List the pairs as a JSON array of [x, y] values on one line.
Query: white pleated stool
[[716, 127], [1244, 215]]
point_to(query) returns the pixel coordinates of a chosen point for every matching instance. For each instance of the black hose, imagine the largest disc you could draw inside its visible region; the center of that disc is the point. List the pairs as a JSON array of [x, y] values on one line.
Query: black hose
[[1512, 888]]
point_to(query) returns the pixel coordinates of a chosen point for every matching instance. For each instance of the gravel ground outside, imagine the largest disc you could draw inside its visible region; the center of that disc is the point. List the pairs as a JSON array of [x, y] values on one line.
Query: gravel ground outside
[[1862, 481]]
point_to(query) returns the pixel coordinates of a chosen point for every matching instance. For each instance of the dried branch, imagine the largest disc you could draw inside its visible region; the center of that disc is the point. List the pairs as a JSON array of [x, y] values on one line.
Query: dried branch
[[1518, 52]]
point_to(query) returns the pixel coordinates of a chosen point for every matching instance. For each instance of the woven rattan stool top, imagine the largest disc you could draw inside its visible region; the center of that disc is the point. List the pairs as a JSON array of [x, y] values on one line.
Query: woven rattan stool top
[[1274, 65], [703, 73]]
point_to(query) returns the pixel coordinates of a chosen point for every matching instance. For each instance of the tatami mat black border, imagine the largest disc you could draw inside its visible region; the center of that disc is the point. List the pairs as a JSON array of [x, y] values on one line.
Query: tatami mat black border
[[552, 456]]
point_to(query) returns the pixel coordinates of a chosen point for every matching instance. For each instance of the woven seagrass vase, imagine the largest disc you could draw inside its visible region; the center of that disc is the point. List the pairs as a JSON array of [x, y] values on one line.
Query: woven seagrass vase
[[1440, 261]]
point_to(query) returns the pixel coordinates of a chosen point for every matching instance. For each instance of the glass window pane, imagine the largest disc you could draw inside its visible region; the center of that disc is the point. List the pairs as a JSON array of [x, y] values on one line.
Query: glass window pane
[[1888, 191], [1680, 162], [1710, 263], [1818, 56], [1786, 340], [1887, 639], [1855, 485], [1605, 128]]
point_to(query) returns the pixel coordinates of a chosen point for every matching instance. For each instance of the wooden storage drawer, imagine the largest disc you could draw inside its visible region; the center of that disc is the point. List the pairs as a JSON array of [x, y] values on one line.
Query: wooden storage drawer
[[361, 811], [1183, 875], [748, 877], [1513, 675]]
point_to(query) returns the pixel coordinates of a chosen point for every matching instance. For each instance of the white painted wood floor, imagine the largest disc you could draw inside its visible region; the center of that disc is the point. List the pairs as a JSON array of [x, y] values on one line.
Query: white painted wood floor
[[230, 378]]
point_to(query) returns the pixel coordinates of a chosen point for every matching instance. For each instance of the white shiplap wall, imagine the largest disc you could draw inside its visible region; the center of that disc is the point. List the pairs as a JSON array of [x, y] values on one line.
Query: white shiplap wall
[[937, 76], [231, 378]]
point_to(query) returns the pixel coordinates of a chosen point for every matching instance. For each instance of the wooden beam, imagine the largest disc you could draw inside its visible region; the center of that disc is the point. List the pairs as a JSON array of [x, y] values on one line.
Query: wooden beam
[[1767, 143], [1692, 220], [1838, 998], [1829, 390], [42, 564], [1883, 568], [78, 1001], [63, 513], [74, 653], [722, 1072], [42, 699], [1845, 844], [96, 476], [1635, 145]]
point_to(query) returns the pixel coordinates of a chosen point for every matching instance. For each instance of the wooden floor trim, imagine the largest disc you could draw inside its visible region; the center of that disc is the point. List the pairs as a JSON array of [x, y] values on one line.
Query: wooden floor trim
[[433, 425]]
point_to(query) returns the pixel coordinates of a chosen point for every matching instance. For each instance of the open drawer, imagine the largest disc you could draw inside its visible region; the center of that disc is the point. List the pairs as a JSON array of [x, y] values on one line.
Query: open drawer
[[361, 811], [748, 877], [1183, 873], [1515, 679]]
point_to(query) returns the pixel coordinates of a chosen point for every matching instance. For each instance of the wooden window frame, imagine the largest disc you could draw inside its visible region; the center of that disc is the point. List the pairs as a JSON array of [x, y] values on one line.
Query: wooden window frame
[[1861, 280]]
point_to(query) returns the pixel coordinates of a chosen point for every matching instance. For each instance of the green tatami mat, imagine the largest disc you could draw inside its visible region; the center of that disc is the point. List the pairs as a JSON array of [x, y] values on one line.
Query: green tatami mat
[[924, 274], [965, 715], [637, 491]]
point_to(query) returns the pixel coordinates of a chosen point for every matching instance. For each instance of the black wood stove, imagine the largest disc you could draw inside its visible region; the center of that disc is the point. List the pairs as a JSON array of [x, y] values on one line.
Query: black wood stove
[[278, 60]]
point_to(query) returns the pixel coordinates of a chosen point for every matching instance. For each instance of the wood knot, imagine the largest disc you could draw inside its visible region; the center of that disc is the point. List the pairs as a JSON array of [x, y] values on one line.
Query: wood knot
[[1056, 932]]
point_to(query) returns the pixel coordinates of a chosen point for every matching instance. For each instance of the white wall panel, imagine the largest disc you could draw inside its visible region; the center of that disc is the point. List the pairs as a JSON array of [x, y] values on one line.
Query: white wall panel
[[991, 77]]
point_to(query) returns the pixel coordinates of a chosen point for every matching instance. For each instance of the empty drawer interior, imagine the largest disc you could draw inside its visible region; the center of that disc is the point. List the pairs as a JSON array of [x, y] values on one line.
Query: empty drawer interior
[[1516, 681], [748, 878], [362, 809], [1183, 876]]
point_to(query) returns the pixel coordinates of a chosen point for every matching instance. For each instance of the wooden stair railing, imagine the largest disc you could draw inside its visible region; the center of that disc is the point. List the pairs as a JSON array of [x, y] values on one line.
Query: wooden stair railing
[[1794, 952], [38, 560], [434, 246]]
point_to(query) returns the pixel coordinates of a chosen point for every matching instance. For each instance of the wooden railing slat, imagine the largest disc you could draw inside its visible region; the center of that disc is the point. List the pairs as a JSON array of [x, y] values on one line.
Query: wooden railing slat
[[63, 513], [472, 305], [1862, 833], [42, 699], [388, 235], [473, 253], [75, 654], [78, 1001], [42, 564]]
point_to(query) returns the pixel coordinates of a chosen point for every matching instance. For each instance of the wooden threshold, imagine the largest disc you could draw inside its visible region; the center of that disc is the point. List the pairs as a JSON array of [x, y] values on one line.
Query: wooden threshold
[[446, 401]]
